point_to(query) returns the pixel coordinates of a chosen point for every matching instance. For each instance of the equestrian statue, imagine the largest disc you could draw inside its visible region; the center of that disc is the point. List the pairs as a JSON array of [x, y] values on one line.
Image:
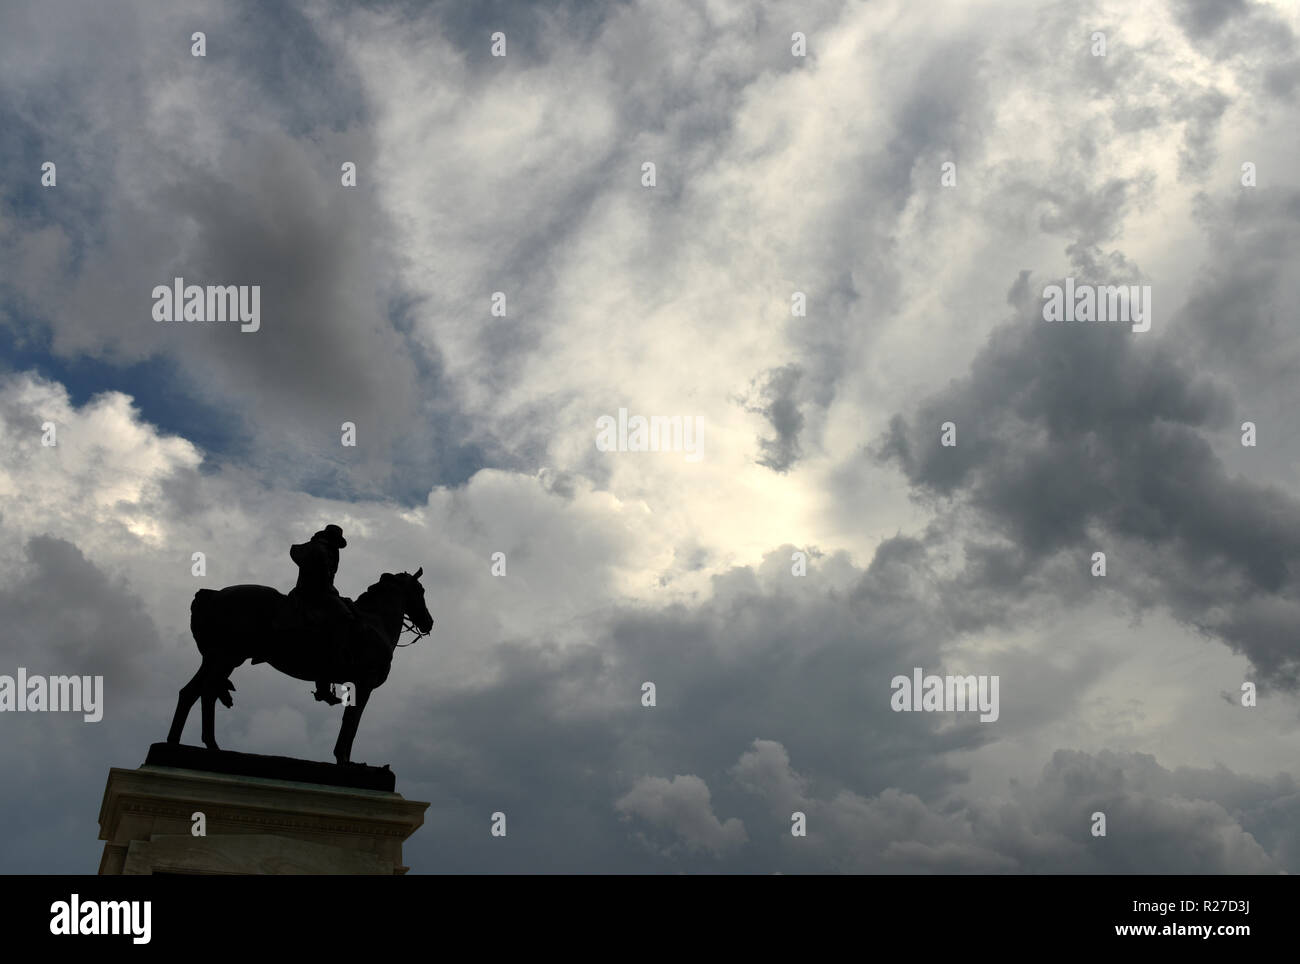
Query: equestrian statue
[[311, 634]]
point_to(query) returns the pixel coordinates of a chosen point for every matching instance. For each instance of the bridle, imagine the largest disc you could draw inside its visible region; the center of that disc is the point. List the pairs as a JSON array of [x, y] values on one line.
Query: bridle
[[408, 626]]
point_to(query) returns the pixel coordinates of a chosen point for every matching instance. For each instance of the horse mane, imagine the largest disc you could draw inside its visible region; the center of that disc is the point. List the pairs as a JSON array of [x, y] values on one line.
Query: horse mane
[[373, 589]]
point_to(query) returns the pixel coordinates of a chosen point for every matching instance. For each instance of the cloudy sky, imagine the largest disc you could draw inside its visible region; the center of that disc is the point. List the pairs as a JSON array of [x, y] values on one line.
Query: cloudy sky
[[821, 432]]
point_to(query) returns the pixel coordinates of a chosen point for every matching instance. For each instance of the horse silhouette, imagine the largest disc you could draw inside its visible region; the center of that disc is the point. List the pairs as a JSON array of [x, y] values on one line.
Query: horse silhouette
[[240, 623]]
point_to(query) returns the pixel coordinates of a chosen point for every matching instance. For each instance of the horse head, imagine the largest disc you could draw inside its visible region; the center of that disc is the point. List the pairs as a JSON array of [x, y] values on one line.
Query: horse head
[[412, 592]]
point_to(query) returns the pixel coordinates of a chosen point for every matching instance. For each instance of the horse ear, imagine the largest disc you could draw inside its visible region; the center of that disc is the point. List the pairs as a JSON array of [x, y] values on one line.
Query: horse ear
[[419, 572]]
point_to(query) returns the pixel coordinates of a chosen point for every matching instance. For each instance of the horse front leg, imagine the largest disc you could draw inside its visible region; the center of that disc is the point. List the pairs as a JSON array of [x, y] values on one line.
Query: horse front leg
[[188, 695], [348, 731]]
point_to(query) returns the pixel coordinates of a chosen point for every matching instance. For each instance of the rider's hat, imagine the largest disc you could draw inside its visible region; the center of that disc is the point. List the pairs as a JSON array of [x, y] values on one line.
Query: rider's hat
[[333, 535]]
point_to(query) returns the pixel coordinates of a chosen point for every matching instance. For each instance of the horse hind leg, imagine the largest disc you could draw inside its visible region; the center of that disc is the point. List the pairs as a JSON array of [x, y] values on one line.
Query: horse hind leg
[[216, 687]]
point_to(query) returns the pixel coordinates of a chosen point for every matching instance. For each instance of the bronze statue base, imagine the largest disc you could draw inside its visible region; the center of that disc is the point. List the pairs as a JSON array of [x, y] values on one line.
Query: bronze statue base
[[356, 776]]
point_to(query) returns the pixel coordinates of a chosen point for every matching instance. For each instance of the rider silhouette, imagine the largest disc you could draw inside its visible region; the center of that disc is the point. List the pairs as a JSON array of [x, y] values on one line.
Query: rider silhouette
[[318, 561]]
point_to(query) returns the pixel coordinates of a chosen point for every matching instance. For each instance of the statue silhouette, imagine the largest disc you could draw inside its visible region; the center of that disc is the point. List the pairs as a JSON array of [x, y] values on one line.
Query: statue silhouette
[[322, 608], [312, 634]]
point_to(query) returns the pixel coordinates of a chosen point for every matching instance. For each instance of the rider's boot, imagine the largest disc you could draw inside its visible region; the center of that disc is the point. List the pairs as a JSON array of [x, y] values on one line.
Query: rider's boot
[[325, 694]]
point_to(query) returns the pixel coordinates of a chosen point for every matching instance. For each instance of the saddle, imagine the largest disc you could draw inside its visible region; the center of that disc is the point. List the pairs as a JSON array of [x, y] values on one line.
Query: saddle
[[327, 631]]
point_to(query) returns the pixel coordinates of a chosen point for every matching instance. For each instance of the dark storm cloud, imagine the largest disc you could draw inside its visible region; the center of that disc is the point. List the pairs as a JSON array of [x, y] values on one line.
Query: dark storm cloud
[[1090, 213], [1264, 42], [528, 27], [1184, 821], [66, 616], [572, 722], [777, 400], [558, 738], [1201, 114], [326, 351], [1077, 437], [1201, 18], [1189, 820], [1237, 312]]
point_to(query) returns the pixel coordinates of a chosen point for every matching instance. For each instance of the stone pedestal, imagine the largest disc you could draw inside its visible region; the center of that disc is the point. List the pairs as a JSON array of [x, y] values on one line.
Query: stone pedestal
[[254, 824]]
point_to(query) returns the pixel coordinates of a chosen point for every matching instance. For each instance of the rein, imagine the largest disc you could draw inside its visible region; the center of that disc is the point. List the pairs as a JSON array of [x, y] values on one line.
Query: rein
[[408, 626]]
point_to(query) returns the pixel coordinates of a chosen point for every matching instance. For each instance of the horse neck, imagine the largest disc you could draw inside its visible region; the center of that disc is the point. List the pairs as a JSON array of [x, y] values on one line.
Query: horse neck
[[387, 605]]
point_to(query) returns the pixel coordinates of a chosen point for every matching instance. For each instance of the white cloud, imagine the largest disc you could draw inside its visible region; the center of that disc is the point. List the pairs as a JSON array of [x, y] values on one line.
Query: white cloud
[[683, 807]]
